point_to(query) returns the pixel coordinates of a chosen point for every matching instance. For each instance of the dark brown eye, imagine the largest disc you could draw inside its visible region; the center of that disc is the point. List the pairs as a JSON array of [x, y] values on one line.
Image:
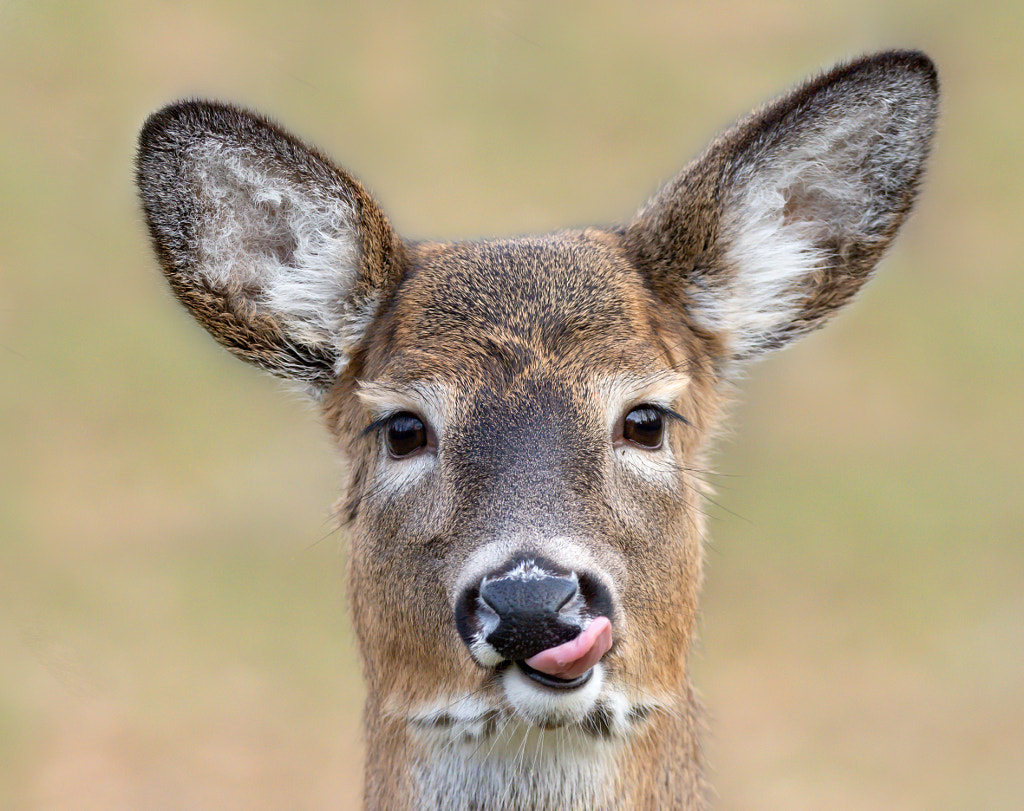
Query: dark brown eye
[[644, 426], [404, 434]]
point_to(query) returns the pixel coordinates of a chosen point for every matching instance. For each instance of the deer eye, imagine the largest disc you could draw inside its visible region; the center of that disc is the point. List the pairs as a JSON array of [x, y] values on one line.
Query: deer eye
[[404, 434], [644, 426]]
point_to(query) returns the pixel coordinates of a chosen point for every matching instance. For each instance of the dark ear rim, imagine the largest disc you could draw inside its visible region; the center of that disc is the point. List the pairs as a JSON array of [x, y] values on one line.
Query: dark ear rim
[[199, 118], [232, 319], [676, 239], [911, 63]]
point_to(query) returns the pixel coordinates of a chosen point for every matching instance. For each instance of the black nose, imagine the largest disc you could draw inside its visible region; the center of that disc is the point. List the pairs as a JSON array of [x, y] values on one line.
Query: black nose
[[529, 613], [538, 595]]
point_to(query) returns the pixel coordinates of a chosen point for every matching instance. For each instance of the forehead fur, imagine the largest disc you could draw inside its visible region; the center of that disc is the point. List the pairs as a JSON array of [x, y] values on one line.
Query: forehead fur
[[557, 302]]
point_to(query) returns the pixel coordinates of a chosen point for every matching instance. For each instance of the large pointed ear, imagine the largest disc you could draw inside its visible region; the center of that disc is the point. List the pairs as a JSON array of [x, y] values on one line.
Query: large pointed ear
[[279, 254], [784, 217]]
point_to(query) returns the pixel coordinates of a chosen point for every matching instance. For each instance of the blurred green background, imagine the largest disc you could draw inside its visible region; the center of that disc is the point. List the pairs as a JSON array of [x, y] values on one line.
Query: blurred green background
[[172, 610]]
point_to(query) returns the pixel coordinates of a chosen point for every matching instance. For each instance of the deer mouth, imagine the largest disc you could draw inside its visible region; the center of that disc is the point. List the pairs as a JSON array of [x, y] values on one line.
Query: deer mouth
[[555, 682], [550, 702], [571, 664], [561, 685]]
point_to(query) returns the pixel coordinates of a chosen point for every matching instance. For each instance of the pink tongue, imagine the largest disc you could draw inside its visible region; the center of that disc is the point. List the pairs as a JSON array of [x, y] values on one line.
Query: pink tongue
[[575, 657]]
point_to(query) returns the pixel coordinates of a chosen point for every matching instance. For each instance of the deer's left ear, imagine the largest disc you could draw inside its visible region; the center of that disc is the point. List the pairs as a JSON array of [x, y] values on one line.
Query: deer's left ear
[[784, 217]]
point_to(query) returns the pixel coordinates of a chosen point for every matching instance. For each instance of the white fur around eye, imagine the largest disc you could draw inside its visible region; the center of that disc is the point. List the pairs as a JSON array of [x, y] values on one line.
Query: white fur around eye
[[656, 466], [620, 395], [395, 477], [430, 403]]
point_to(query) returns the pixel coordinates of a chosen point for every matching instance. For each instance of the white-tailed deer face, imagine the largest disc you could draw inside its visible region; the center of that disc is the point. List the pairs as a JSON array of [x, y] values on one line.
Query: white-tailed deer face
[[526, 469], [525, 420]]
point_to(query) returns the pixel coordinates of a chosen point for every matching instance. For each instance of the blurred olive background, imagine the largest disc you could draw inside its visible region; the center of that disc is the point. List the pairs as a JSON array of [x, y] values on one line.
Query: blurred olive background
[[173, 629]]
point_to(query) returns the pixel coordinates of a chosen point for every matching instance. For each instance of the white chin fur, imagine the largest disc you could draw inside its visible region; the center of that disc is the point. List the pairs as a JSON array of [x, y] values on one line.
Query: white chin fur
[[545, 706]]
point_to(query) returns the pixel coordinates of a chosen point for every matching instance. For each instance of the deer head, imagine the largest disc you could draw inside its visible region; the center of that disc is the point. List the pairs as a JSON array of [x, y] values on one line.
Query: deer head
[[526, 420]]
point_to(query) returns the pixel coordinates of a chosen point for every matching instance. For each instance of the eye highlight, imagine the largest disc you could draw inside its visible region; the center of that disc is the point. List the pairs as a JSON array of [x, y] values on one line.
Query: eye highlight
[[404, 434]]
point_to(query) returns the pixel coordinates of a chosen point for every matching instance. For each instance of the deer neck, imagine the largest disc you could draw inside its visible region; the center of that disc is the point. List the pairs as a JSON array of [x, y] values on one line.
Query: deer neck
[[512, 766]]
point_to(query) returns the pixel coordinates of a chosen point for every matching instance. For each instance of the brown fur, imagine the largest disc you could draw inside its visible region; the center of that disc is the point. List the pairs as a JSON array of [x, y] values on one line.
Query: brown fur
[[525, 350]]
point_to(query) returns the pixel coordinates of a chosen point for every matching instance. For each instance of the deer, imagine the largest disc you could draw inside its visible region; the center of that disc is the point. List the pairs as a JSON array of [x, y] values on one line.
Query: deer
[[525, 421]]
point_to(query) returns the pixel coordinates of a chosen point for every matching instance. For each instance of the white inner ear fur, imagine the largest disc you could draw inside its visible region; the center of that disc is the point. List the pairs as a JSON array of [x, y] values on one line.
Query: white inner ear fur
[[296, 244], [784, 208]]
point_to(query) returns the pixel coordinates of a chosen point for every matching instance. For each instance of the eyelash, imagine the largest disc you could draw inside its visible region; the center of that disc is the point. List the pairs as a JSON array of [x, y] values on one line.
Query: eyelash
[[377, 424], [663, 410]]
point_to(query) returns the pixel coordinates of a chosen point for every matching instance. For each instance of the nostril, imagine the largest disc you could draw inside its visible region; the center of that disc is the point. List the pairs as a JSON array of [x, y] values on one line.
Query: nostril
[[566, 595]]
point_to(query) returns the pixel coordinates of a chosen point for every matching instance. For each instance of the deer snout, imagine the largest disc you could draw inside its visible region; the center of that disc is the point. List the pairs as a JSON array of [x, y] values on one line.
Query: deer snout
[[553, 625]]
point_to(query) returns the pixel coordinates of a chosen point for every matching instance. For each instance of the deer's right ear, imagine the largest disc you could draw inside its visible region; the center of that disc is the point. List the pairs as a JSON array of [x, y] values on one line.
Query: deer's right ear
[[280, 255]]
